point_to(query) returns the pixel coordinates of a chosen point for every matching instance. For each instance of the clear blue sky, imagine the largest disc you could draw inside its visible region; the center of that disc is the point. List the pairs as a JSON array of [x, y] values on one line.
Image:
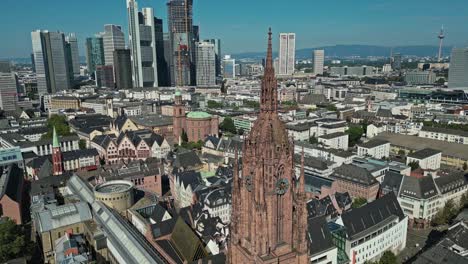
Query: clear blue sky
[[242, 24]]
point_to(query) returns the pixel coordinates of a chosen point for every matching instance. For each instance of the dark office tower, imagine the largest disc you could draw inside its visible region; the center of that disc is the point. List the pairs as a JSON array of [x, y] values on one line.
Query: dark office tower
[[94, 52], [33, 63], [104, 76], [74, 56], [51, 61], [180, 29], [162, 65], [168, 56], [218, 56], [122, 69]]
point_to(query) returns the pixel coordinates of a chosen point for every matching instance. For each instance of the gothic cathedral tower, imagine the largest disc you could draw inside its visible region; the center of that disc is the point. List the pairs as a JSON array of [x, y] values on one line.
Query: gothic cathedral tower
[[56, 155], [269, 218]]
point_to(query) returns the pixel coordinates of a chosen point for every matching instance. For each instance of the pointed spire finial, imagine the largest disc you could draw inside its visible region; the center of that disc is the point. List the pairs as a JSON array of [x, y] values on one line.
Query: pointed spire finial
[[55, 141]]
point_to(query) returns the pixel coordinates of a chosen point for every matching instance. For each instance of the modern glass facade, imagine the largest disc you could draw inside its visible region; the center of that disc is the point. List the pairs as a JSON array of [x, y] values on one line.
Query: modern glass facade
[[94, 52], [51, 63]]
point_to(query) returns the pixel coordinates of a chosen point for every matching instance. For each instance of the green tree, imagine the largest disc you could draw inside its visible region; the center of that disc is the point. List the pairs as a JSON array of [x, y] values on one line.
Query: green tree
[[355, 133], [60, 124], [440, 81], [240, 131], [331, 107], [184, 136], [414, 165], [228, 125], [358, 202], [465, 166], [251, 104], [464, 200], [82, 144], [401, 152], [388, 258], [313, 140], [445, 214], [12, 241], [214, 104]]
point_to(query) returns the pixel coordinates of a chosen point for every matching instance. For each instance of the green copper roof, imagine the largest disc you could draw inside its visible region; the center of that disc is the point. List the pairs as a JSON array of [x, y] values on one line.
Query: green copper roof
[[55, 142], [198, 115], [177, 93]]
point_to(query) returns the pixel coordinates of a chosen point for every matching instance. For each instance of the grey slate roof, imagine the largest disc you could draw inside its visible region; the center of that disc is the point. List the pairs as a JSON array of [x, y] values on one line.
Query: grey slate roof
[[333, 135], [354, 174], [391, 182], [424, 153], [373, 143], [319, 236], [420, 188], [186, 159], [452, 181], [359, 220], [440, 255], [11, 182]]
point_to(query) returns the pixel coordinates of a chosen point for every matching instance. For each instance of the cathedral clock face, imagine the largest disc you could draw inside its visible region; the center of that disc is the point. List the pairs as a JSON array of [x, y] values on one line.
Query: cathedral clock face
[[248, 183], [282, 186]]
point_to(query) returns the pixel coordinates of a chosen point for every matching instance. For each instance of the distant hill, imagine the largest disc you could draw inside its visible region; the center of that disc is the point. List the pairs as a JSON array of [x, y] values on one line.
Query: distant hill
[[341, 51]]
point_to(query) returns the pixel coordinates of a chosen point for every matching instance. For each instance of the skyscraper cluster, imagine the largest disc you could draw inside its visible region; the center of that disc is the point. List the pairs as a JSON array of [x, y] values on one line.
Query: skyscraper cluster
[[152, 58], [55, 60]]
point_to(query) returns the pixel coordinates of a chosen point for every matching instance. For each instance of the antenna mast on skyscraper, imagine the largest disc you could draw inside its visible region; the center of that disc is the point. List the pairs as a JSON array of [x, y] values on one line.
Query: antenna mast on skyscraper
[[441, 37]]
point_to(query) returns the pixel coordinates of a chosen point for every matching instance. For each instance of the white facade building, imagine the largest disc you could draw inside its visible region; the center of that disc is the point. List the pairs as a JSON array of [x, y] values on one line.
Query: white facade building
[[337, 140], [319, 60], [378, 149], [374, 228], [428, 159], [206, 64], [287, 53], [444, 134]]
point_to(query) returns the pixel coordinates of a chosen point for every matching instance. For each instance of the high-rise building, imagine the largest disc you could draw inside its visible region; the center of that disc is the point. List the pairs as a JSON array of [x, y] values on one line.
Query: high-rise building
[[105, 76], [396, 61], [5, 66], [206, 64], [122, 69], [73, 56], [113, 39], [142, 40], [95, 52], [269, 210], [217, 48], [163, 64], [180, 28], [229, 67], [287, 53], [8, 87], [319, 59], [52, 67], [458, 71]]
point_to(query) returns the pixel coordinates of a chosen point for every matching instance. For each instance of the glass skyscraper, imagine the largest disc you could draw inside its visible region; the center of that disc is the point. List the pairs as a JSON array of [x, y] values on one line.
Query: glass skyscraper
[[142, 38], [113, 39], [52, 67], [95, 52]]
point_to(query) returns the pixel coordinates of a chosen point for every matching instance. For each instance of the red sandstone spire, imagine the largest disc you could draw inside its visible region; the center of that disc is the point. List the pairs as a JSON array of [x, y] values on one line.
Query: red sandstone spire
[[269, 96]]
